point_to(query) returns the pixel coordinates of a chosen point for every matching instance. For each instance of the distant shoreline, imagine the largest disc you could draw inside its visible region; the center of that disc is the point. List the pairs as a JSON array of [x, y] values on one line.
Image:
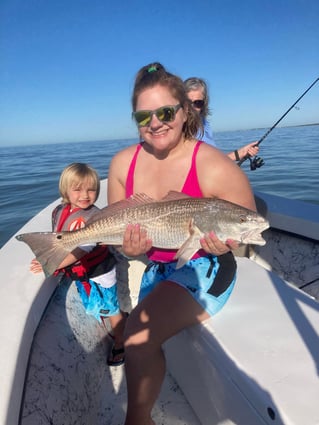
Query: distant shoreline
[[266, 128], [303, 125]]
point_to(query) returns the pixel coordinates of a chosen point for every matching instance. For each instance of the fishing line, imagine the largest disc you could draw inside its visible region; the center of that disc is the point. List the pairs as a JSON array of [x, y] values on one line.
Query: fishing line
[[257, 161]]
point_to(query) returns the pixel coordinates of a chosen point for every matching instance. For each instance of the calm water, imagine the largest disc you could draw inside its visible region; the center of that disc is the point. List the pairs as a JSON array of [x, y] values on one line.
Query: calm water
[[29, 174]]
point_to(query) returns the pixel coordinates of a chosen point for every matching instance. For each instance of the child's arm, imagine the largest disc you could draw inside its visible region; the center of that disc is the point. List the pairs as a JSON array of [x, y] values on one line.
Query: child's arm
[[73, 257]]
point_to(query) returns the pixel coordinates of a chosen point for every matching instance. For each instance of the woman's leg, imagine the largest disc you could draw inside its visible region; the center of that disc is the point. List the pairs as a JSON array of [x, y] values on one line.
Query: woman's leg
[[167, 310]]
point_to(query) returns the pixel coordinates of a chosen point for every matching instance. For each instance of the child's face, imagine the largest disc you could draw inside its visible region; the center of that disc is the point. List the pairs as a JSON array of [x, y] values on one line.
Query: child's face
[[82, 195]]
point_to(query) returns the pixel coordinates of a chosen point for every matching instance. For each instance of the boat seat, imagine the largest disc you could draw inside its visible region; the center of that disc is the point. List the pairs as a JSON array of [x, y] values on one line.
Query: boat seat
[[256, 361]]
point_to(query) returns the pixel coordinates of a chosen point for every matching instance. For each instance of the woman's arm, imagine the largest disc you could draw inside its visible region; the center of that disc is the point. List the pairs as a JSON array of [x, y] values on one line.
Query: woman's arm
[[117, 175], [221, 178], [250, 149]]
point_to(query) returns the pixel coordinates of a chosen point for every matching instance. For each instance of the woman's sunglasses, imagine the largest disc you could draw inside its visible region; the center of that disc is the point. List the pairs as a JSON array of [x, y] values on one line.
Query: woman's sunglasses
[[198, 103], [164, 114]]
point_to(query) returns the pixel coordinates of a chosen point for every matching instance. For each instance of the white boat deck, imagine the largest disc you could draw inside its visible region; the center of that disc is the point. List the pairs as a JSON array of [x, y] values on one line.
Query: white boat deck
[[261, 352], [68, 365]]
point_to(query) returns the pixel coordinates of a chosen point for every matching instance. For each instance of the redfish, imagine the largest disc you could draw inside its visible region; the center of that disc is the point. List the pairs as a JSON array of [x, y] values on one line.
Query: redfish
[[175, 222]]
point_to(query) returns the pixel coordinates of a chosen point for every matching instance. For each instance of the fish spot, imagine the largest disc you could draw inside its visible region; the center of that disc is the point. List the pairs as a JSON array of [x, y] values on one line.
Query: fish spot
[[59, 237]]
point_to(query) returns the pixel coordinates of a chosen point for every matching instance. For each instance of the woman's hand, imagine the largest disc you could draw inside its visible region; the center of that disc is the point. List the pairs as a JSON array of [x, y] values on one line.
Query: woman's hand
[[212, 245], [135, 241], [251, 149]]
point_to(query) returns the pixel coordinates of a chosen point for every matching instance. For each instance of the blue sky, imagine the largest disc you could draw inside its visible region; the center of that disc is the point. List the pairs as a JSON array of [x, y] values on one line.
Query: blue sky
[[67, 67]]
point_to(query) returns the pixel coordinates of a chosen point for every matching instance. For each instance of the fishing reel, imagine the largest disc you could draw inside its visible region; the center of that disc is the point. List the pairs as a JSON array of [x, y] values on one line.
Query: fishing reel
[[256, 162]]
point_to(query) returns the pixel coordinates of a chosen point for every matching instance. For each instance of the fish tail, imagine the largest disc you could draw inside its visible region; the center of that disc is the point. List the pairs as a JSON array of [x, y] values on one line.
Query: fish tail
[[47, 247]]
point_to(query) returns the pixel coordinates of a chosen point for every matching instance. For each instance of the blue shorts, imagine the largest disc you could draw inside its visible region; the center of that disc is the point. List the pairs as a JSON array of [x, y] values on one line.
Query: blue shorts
[[102, 302], [210, 280]]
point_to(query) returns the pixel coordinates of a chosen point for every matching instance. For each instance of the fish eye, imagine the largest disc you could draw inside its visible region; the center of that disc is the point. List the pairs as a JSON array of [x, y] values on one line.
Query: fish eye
[[242, 219]]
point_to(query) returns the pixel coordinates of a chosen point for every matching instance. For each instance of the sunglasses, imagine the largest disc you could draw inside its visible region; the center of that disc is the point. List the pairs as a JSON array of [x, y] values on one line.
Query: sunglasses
[[198, 103], [164, 114]]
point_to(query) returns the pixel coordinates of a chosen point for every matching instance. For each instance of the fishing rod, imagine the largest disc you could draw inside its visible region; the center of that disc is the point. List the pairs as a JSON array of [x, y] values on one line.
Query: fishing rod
[[257, 161]]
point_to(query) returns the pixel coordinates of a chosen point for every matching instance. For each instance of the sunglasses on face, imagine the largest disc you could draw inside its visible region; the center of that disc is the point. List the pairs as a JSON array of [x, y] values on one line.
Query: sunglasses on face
[[163, 114], [198, 103]]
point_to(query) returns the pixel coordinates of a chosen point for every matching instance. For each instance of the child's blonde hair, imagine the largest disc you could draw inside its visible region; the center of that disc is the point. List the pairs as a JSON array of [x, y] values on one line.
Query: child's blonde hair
[[73, 175]]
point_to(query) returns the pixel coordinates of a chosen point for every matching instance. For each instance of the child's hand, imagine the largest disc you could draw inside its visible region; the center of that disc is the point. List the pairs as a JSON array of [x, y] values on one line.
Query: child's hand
[[35, 266]]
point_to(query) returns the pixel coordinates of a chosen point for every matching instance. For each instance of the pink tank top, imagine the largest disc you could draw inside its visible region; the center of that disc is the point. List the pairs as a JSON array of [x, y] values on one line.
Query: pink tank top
[[191, 187]]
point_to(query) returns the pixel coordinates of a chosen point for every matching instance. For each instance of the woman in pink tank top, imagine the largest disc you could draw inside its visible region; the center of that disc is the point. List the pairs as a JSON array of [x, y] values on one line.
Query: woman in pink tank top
[[171, 299]]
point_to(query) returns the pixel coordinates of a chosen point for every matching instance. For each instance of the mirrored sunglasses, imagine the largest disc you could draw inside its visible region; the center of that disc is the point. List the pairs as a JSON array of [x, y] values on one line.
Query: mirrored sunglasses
[[198, 103], [164, 114]]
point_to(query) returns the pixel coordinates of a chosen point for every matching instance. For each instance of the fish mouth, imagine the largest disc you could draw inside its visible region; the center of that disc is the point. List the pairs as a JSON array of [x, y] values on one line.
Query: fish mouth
[[254, 237]]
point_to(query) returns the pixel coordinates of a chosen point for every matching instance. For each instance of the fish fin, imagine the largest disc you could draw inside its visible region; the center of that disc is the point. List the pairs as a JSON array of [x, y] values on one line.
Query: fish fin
[[185, 253], [112, 209], [173, 195], [47, 248], [139, 199], [189, 247]]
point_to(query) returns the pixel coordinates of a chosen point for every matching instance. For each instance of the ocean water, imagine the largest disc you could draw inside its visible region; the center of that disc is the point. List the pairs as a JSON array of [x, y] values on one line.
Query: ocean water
[[29, 174]]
